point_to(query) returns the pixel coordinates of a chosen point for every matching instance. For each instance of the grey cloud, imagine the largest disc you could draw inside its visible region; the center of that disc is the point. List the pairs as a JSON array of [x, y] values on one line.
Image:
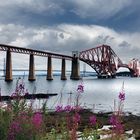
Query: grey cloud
[[29, 12], [98, 8], [68, 38], [120, 15], [33, 6], [124, 44], [61, 35], [103, 39]]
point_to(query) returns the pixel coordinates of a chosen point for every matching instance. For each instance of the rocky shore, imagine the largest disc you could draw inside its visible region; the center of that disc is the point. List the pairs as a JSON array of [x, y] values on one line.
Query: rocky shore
[[129, 121]]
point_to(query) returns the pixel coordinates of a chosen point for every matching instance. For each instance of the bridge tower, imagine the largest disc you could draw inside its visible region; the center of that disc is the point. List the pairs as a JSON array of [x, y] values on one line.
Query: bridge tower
[[63, 70], [75, 71], [49, 69], [134, 65], [8, 76], [31, 68]]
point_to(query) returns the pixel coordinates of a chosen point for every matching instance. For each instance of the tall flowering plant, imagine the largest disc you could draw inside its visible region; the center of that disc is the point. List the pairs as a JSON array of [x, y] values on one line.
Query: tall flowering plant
[[116, 118], [80, 90], [115, 121], [121, 98], [26, 126], [19, 104], [93, 123]]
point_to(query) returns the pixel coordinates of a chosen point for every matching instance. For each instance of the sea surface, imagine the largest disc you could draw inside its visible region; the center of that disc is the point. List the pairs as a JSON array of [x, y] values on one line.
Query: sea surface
[[99, 94]]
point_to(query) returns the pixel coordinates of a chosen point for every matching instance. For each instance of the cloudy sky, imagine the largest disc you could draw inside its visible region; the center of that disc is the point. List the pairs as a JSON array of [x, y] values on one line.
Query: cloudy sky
[[67, 25]]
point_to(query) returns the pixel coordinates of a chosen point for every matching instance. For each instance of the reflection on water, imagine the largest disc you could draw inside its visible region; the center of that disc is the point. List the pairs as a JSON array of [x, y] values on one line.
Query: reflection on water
[[98, 93]]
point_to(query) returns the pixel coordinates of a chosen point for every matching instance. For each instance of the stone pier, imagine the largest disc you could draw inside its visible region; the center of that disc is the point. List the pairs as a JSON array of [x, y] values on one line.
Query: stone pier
[[49, 69], [8, 76], [63, 70], [31, 68], [75, 71]]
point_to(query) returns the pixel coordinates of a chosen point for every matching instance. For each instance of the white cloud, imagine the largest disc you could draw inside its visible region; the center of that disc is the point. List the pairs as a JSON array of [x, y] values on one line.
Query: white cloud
[[66, 38]]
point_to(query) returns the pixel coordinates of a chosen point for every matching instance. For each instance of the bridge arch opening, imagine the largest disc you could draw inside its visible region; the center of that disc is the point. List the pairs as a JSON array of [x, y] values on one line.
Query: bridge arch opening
[[122, 71], [86, 69]]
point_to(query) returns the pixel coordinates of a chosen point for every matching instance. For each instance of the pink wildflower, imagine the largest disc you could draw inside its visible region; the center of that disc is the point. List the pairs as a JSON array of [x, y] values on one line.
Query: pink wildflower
[[14, 129], [15, 126], [92, 120], [122, 96], [76, 118], [80, 88], [122, 93], [37, 119], [21, 86], [59, 108], [117, 126], [77, 108], [113, 120], [68, 108]]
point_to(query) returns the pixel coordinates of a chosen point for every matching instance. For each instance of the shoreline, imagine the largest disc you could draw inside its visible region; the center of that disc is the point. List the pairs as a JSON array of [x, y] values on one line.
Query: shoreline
[[129, 121]]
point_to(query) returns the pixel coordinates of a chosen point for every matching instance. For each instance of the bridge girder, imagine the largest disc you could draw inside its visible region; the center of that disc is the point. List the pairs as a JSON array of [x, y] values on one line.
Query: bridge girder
[[21, 50]]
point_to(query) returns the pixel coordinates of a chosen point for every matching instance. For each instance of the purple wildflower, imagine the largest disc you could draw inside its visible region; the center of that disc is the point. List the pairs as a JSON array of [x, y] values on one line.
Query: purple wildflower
[[21, 86], [37, 119], [113, 120], [15, 126], [122, 96], [26, 93], [80, 88], [122, 93], [14, 94], [92, 120], [68, 108], [117, 126], [14, 129], [59, 108], [77, 108], [76, 118]]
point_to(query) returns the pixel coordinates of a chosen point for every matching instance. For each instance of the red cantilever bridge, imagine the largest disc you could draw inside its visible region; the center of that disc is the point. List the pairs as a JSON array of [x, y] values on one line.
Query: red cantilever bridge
[[102, 59], [105, 62]]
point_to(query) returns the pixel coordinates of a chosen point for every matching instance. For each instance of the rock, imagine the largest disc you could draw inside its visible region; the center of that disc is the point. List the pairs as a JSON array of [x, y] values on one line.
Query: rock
[[129, 133], [137, 134]]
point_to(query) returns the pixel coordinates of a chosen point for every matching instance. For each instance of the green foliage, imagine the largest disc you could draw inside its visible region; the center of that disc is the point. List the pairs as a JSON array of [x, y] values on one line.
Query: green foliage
[[18, 106], [5, 119]]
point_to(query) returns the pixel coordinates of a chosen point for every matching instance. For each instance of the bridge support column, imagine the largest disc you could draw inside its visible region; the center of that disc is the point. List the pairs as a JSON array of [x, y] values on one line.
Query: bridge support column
[[49, 69], [8, 76], [63, 70], [75, 71], [31, 68]]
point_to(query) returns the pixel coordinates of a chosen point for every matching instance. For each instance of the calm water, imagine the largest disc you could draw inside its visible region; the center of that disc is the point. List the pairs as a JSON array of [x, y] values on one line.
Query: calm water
[[100, 93]]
